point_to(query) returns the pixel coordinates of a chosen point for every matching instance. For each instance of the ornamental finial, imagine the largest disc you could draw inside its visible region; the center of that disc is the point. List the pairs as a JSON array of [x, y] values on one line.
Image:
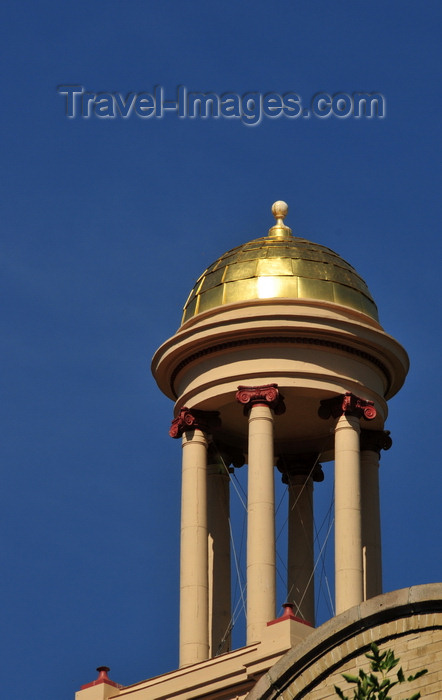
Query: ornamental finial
[[280, 230]]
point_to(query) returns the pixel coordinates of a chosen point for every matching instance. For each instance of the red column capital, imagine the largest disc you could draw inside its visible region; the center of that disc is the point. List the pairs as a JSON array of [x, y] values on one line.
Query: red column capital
[[375, 440], [347, 404], [266, 395], [193, 419]]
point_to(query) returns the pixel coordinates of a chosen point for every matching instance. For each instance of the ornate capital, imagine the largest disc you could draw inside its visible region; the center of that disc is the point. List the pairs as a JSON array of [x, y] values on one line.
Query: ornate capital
[[347, 404], [304, 465], [254, 395], [375, 440], [192, 419]]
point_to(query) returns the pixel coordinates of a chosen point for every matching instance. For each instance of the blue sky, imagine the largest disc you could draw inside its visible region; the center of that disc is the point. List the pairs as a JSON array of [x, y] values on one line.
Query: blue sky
[[106, 224]]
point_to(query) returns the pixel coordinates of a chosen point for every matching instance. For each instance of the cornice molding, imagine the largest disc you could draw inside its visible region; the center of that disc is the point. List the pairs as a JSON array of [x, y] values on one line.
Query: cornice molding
[[275, 340]]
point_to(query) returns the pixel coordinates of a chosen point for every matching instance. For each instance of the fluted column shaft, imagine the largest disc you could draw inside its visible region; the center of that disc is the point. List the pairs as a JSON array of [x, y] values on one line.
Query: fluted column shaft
[[349, 579], [194, 600], [348, 535], [300, 559], [259, 404], [192, 426], [371, 444], [261, 553], [218, 482]]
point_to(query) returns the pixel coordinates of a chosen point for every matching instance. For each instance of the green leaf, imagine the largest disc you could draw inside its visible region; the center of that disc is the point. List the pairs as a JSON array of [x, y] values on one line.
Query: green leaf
[[400, 676], [339, 692], [349, 678], [370, 686], [390, 660], [418, 674]]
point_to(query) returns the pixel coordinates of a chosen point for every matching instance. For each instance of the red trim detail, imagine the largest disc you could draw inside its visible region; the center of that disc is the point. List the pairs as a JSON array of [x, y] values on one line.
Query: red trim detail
[[288, 615], [267, 395], [185, 420], [193, 419], [347, 404], [102, 678]]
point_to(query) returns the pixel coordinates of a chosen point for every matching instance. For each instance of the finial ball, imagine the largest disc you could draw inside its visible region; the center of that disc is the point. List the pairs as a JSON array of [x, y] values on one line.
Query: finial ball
[[280, 209]]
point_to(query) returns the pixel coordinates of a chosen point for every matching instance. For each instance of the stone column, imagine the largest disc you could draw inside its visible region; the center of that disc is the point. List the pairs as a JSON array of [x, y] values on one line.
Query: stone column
[[218, 499], [194, 600], [299, 472], [261, 550], [372, 442], [348, 409]]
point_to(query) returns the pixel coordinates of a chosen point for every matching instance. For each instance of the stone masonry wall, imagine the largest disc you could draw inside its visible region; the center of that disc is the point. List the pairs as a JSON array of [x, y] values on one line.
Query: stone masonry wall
[[408, 621]]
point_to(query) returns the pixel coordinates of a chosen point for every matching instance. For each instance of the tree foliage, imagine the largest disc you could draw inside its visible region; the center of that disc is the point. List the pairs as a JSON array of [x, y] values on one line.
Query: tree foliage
[[377, 684]]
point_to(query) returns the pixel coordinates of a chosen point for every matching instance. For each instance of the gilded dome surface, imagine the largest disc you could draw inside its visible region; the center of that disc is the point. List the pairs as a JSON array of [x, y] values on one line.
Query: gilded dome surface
[[279, 266]]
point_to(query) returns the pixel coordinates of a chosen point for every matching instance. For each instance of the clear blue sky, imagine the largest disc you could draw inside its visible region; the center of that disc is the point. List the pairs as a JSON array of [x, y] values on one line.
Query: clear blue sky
[[106, 224]]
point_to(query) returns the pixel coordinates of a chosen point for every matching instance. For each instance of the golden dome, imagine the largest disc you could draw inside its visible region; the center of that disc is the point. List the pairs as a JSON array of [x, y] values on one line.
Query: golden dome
[[279, 266]]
